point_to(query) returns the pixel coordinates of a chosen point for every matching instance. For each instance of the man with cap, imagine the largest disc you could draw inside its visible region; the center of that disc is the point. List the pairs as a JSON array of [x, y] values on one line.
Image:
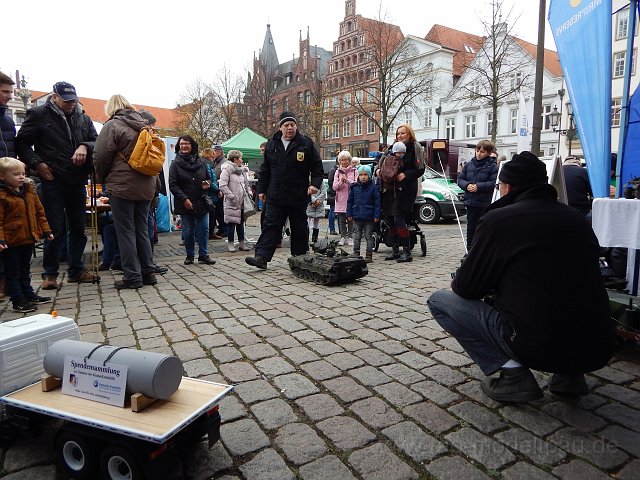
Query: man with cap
[[534, 261], [56, 140], [290, 172]]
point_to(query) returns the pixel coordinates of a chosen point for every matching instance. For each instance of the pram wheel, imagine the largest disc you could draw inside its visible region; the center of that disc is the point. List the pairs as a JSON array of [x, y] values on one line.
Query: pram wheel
[[376, 241], [423, 245]]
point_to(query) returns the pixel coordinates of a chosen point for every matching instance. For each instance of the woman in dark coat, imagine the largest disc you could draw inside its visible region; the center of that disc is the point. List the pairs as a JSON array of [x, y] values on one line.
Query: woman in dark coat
[[398, 201], [189, 181]]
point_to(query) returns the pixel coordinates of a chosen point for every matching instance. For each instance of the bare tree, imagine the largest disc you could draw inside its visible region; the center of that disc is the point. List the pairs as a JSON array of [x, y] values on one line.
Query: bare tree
[[226, 91], [393, 79], [260, 93], [498, 70], [196, 112], [310, 110]]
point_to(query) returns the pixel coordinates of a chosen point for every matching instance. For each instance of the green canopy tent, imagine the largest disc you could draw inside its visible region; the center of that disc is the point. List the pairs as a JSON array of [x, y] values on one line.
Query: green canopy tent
[[248, 142]]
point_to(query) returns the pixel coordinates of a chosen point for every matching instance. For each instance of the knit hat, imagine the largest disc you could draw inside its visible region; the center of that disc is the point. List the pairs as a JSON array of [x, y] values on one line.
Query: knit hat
[[287, 117], [399, 147], [364, 169], [524, 168]]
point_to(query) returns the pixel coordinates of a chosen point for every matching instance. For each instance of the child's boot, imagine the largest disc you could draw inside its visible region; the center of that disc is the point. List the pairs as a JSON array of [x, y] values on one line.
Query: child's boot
[[368, 257]]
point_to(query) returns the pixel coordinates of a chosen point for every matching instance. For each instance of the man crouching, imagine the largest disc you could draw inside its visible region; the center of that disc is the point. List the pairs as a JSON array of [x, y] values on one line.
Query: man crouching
[[536, 261]]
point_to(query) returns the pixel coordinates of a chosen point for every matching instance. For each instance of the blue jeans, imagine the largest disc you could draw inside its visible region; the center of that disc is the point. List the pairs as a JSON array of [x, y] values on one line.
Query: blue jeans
[[476, 326], [196, 228], [332, 220], [17, 261], [65, 207], [110, 250]]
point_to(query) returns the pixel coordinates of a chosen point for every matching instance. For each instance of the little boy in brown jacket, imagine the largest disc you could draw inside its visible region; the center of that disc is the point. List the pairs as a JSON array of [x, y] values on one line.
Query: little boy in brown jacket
[[22, 223]]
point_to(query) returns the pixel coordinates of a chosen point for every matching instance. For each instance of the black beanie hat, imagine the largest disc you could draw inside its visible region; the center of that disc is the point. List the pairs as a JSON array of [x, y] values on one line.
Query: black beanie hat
[[524, 168], [287, 117]]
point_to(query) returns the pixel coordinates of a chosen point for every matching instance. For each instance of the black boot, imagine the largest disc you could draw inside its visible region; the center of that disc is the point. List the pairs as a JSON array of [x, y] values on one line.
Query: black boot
[[314, 235], [570, 385], [395, 253], [405, 256], [514, 385]]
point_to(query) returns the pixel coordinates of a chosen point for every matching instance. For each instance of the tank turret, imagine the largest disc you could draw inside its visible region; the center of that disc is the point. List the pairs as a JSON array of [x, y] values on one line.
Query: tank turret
[[328, 264]]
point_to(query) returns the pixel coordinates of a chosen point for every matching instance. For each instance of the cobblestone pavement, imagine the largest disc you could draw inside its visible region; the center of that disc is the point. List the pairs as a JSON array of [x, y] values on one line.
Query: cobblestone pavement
[[345, 382]]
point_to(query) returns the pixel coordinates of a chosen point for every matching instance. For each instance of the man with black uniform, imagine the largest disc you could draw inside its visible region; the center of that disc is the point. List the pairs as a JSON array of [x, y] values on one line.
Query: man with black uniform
[[290, 172]]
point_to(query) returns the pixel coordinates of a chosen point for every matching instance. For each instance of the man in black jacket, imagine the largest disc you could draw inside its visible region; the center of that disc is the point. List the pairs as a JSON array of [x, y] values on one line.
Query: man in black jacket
[[290, 172], [7, 140], [535, 262], [56, 140]]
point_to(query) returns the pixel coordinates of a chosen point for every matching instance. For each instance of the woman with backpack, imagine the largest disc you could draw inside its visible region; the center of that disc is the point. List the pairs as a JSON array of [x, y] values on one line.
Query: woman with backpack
[[131, 192], [399, 192]]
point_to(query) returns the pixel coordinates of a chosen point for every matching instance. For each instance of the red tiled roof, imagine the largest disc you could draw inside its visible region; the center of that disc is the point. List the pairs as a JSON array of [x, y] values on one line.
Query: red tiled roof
[[456, 40], [166, 118]]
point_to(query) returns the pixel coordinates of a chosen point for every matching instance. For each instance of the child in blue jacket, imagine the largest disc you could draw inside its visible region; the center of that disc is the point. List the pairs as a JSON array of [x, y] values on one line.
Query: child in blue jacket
[[364, 208]]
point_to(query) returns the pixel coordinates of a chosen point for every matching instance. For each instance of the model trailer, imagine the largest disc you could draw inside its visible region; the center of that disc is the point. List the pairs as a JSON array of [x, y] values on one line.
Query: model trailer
[[127, 442]]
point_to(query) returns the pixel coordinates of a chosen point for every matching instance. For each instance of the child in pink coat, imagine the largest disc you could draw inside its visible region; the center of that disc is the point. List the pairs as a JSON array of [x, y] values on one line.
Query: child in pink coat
[[345, 176]]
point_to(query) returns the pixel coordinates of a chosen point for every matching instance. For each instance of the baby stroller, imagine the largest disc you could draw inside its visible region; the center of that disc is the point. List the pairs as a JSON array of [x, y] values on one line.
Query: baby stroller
[[381, 235]]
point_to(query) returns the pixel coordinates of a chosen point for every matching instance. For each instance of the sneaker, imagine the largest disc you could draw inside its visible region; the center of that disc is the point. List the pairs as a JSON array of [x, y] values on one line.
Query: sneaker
[[158, 270], [333, 232], [123, 284], [149, 279], [37, 299], [50, 282], [514, 385], [568, 385], [206, 259], [350, 242], [243, 247], [231, 247], [83, 277], [102, 267], [188, 261], [342, 241], [24, 306], [257, 261]]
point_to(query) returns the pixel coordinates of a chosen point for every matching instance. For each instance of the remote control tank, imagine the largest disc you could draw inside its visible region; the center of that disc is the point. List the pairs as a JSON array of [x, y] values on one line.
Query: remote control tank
[[328, 264]]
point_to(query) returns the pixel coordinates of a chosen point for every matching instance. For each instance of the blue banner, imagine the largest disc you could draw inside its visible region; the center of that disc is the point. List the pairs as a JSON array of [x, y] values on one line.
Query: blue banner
[[630, 167], [582, 32]]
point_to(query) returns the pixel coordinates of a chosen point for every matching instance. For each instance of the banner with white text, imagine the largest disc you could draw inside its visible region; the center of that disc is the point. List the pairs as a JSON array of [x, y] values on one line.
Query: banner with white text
[[582, 32]]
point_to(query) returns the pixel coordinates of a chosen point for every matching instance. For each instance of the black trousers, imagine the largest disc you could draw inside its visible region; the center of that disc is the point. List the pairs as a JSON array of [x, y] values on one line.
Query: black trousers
[[274, 219]]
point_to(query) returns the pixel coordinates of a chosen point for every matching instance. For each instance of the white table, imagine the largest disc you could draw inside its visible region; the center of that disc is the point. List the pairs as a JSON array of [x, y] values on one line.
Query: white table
[[616, 223]]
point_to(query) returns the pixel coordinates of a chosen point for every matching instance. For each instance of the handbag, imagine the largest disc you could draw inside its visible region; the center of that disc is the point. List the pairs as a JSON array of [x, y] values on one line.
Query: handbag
[[208, 203], [248, 206]]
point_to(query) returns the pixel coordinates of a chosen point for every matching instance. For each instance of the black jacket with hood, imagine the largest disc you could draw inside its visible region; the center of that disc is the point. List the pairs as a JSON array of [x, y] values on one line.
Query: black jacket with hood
[[49, 136], [186, 174], [7, 134]]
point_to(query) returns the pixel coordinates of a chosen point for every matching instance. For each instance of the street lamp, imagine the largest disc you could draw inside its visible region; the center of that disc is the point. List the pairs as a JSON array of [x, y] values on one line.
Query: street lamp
[[554, 119], [438, 112]]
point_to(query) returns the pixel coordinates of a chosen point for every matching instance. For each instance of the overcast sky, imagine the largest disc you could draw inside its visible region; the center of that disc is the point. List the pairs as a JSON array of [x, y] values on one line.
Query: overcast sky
[[151, 51]]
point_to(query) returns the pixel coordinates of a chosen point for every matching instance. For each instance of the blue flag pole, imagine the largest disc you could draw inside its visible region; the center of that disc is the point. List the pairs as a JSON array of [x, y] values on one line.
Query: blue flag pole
[[624, 110]]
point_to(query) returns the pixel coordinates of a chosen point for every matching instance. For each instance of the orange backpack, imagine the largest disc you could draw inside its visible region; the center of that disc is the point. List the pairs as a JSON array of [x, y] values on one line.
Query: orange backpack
[[148, 154]]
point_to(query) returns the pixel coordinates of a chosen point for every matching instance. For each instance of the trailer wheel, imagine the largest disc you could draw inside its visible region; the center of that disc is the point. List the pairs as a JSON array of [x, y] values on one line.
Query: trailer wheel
[[77, 455], [117, 463]]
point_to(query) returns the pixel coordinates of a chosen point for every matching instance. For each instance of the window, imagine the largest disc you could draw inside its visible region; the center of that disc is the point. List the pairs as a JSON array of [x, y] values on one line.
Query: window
[[304, 60], [286, 104], [619, 59], [450, 127], [546, 117], [474, 89], [299, 98], [428, 117], [490, 123], [347, 100], [469, 126], [408, 117], [335, 128], [336, 103], [372, 94], [552, 151], [513, 120], [325, 130], [325, 104], [469, 49], [359, 97], [515, 81], [357, 124], [371, 123], [307, 97], [622, 24], [273, 109], [616, 105], [346, 127], [288, 79]]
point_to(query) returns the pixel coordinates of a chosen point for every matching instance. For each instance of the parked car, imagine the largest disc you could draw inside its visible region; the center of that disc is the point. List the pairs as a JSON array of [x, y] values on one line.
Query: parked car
[[441, 198]]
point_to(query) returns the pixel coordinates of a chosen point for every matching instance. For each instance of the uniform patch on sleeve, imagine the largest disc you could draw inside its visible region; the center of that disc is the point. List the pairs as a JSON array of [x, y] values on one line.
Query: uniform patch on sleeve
[[300, 156]]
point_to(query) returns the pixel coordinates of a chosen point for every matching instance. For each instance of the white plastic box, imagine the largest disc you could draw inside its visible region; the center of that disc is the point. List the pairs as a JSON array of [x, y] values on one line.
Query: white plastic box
[[23, 345]]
